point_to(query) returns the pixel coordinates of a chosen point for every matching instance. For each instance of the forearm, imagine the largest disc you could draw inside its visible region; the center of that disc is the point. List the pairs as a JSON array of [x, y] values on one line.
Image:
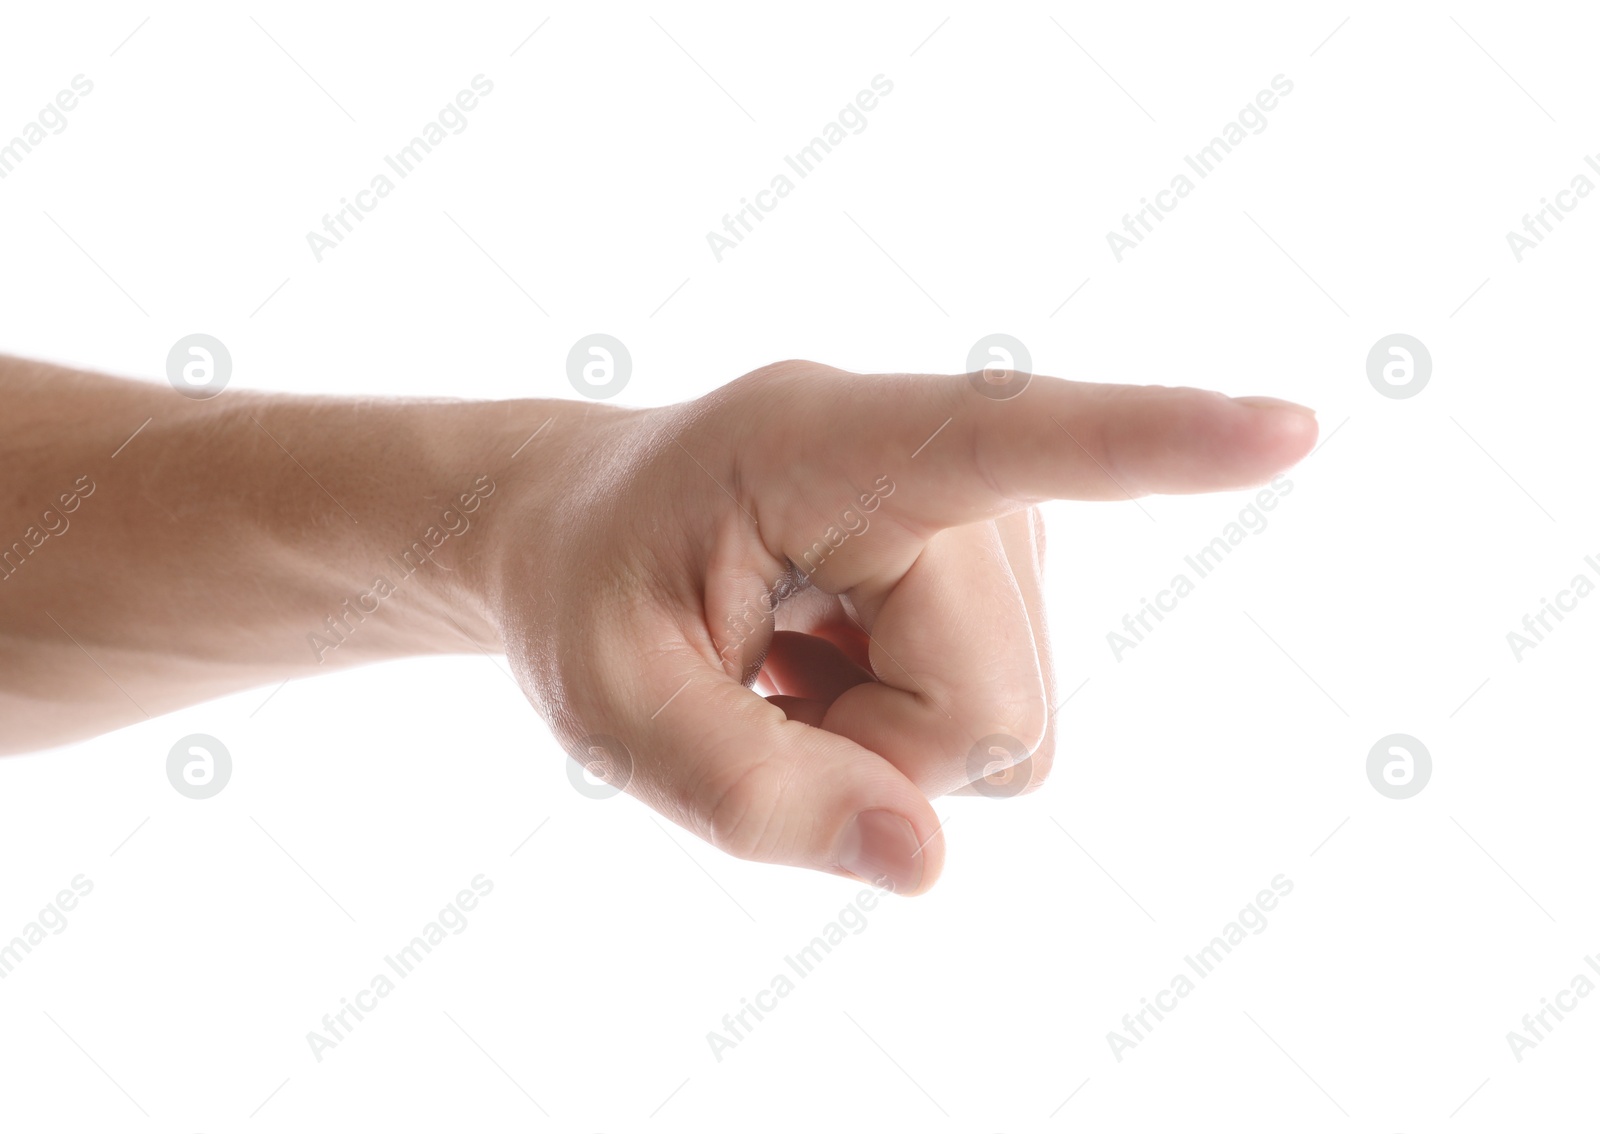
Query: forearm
[[239, 540]]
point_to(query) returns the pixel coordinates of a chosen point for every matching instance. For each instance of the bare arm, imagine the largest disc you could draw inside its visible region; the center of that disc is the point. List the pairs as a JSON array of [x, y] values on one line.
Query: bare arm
[[866, 543], [236, 541]]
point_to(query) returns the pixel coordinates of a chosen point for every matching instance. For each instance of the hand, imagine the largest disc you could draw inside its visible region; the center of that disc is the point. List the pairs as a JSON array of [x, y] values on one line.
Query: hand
[[868, 546]]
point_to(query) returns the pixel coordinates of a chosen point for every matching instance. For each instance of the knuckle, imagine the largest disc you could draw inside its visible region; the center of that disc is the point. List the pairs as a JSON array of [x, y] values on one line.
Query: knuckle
[[784, 368], [742, 812], [782, 374]]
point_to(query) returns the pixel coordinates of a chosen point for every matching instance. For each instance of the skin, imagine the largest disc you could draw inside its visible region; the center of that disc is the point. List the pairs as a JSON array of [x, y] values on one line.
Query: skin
[[634, 566]]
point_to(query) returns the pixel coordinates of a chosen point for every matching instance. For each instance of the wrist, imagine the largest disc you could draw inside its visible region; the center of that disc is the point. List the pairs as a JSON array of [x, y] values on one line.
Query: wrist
[[544, 457]]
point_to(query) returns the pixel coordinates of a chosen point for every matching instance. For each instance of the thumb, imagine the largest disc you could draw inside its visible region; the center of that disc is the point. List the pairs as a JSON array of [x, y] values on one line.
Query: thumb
[[727, 764]]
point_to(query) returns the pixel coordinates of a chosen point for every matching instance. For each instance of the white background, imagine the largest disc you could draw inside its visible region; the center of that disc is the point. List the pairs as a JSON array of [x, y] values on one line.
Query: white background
[[1228, 748]]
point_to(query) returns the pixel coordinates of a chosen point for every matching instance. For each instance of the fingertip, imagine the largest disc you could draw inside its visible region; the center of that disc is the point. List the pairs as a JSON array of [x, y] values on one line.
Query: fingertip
[[1284, 432], [885, 849]]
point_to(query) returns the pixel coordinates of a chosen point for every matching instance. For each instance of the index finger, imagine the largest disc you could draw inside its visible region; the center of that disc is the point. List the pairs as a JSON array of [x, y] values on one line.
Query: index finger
[[958, 456]]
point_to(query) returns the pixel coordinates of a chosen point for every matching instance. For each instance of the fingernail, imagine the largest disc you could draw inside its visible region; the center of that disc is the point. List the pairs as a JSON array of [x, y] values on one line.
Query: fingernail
[[881, 848], [1277, 403]]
